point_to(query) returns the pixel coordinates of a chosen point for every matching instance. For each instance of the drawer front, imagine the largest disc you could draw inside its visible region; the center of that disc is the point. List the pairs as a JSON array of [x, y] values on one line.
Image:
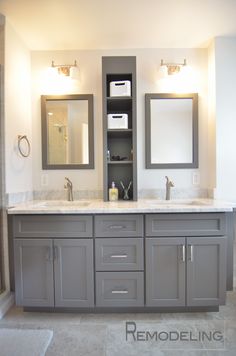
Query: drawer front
[[118, 225], [124, 254], [119, 289], [209, 224], [52, 226]]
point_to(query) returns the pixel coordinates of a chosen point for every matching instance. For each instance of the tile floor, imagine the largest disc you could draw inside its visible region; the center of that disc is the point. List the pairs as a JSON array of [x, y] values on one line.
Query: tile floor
[[105, 334]]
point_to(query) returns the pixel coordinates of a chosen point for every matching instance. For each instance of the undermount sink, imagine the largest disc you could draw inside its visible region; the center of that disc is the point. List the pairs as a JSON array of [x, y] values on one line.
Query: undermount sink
[[178, 202], [61, 203]]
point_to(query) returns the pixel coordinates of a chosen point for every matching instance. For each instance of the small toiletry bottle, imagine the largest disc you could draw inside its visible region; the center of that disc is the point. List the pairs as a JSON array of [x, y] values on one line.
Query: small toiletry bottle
[[113, 192]]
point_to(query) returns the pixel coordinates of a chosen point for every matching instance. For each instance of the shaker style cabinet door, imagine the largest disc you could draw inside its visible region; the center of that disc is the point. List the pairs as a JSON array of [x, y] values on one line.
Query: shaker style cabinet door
[[165, 272], [74, 276], [34, 272], [206, 271]]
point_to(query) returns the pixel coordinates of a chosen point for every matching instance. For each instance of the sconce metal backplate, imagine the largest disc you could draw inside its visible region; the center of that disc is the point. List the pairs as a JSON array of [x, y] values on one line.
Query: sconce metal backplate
[[64, 69], [173, 68]]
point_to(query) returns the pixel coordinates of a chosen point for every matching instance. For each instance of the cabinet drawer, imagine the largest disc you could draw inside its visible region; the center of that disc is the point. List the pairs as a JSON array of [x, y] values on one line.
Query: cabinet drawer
[[118, 289], [118, 225], [124, 254], [52, 226], [209, 224]]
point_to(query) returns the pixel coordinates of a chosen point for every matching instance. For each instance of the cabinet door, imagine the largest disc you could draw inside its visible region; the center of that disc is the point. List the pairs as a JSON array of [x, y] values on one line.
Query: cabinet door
[[33, 272], [206, 271], [74, 276], [165, 272]]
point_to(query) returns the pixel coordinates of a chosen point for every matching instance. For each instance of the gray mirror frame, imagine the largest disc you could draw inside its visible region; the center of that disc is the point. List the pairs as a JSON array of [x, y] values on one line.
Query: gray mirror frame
[[148, 98], [44, 99]]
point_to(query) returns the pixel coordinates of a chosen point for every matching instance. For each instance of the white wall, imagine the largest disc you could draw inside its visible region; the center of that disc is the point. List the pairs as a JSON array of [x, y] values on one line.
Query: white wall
[[225, 94], [148, 80], [211, 117], [17, 111]]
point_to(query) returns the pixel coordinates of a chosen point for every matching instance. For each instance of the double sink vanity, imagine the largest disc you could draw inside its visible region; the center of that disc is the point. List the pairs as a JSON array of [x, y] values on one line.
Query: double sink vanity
[[146, 255], [149, 255]]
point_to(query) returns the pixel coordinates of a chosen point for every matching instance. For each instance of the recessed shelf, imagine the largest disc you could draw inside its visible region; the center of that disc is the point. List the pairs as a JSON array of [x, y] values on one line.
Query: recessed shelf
[[116, 133], [119, 97], [120, 162], [119, 103]]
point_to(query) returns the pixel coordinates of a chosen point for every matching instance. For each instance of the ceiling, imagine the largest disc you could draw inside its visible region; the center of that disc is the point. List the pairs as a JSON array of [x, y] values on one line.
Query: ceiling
[[106, 24]]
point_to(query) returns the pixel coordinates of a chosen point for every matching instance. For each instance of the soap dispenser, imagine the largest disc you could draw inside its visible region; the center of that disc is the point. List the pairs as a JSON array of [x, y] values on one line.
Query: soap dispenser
[[113, 192]]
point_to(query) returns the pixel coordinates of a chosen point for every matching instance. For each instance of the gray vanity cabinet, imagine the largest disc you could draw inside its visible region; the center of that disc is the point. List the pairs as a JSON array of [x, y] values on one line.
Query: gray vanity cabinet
[[145, 261], [185, 271], [34, 272]]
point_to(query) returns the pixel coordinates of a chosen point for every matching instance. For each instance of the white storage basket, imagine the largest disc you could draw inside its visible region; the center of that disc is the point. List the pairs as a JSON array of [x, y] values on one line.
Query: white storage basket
[[117, 121], [120, 88]]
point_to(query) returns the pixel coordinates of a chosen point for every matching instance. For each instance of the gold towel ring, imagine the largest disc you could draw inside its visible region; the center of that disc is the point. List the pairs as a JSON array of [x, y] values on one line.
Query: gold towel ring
[[21, 138]]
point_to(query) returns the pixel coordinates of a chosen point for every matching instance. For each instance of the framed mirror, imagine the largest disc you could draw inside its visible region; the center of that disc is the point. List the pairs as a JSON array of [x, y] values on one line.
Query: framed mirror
[[171, 130], [67, 131]]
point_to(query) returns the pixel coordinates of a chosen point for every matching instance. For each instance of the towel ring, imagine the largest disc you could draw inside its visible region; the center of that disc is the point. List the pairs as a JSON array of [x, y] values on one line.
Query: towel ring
[[20, 139]]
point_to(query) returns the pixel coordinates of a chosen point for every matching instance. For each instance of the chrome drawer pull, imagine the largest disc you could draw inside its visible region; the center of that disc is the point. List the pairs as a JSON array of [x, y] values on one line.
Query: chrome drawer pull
[[183, 253], [114, 227], [119, 256], [191, 253], [119, 292]]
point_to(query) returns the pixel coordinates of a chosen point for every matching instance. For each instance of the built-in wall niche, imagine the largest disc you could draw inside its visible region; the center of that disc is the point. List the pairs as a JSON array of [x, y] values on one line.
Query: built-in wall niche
[[67, 131], [120, 161]]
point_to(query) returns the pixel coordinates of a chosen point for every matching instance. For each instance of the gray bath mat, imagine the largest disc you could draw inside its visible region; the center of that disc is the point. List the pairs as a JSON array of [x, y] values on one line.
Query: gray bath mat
[[24, 342]]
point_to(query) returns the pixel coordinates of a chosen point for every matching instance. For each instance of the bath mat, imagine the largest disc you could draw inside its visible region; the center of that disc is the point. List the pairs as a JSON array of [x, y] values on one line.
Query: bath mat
[[24, 342]]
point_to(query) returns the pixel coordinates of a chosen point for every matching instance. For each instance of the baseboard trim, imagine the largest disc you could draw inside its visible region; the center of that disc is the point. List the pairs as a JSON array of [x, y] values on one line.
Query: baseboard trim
[[7, 299]]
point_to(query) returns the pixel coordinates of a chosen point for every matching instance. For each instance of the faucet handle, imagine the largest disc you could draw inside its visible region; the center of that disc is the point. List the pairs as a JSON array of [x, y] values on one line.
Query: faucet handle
[[68, 181], [169, 182]]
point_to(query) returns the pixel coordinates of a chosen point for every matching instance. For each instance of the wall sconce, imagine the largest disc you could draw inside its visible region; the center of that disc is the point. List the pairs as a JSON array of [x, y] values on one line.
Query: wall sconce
[[67, 70], [172, 68]]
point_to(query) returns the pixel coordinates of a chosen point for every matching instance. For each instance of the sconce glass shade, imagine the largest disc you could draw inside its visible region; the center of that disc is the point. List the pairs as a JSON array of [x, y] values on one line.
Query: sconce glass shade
[[163, 71], [172, 68], [74, 72], [70, 70], [64, 71]]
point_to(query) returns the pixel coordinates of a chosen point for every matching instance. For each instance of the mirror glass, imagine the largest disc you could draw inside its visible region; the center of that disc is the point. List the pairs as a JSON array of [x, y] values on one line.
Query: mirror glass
[[171, 130], [67, 131]]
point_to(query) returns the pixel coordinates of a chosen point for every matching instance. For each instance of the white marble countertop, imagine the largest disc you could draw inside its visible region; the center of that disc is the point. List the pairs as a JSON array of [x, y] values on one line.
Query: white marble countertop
[[98, 206]]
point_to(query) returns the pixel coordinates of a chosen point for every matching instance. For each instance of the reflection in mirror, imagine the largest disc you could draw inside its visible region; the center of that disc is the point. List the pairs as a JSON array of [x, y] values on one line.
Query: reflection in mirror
[[67, 132], [171, 131]]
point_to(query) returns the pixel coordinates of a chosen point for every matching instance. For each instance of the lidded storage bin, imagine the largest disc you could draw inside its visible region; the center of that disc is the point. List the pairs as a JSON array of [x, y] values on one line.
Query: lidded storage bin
[[120, 88]]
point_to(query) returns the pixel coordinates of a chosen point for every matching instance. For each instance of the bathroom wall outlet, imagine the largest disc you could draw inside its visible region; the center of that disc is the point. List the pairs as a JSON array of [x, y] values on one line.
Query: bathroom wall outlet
[[196, 178], [44, 180]]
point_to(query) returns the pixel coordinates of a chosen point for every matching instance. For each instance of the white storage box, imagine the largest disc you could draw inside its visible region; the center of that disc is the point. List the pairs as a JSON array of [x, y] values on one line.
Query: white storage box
[[120, 88], [117, 121]]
